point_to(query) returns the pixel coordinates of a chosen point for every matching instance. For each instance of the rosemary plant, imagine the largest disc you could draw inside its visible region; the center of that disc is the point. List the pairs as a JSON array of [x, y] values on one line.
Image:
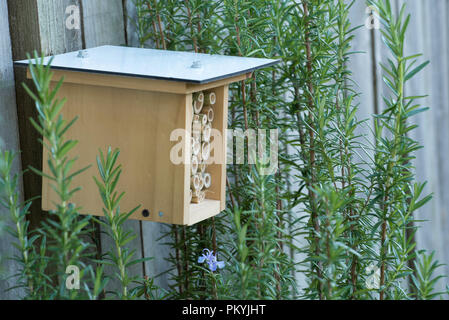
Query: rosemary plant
[[423, 278], [9, 199], [398, 197], [62, 246], [120, 257]]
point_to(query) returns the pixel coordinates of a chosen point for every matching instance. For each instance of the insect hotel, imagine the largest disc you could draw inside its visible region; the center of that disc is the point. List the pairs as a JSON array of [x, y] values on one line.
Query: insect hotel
[[167, 113]]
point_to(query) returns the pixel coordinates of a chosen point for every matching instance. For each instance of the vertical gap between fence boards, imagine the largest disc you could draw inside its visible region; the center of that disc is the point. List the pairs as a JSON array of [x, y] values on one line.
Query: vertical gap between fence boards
[[125, 30], [83, 34], [142, 248], [374, 70]]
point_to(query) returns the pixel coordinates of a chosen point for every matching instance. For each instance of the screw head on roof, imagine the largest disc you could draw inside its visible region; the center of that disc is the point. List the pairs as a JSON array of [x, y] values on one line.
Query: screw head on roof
[[82, 54], [196, 64]]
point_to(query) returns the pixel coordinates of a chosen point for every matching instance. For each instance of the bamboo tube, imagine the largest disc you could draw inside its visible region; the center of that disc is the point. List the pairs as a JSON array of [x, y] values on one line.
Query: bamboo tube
[[203, 167], [201, 197], [192, 145], [196, 147], [209, 111], [196, 193], [207, 178], [196, 200], [194, 165], [207, 131], [203, 119], [196, 130], [195, 182], [191, 195], [205, 151], [210, 98], [198, 96], [197, 106], [201, 181]]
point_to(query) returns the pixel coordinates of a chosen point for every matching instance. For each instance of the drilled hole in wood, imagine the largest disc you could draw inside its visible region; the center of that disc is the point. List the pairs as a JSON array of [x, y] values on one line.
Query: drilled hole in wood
[[146, 213]]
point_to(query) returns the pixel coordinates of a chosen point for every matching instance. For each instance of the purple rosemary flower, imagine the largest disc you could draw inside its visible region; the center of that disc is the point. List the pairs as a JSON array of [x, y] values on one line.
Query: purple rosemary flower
[[211, 259]]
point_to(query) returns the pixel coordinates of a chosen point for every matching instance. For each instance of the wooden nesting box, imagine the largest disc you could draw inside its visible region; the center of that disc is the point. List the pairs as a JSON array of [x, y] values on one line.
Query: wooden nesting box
[[134, 99]]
